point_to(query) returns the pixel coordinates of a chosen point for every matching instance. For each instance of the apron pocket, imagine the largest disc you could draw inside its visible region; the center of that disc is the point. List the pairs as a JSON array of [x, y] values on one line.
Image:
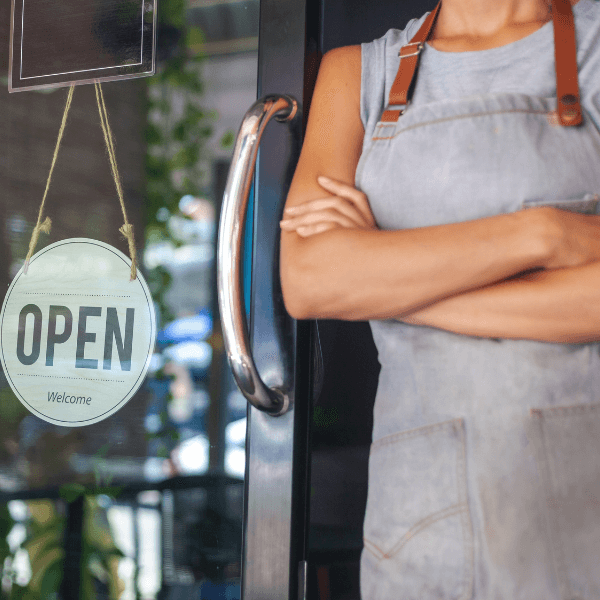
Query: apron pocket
[[418, 536], [588, 205], [567, 446]]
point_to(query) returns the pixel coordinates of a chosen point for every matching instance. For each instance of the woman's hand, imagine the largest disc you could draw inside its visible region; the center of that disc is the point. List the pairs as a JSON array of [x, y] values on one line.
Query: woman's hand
[[346, 208]]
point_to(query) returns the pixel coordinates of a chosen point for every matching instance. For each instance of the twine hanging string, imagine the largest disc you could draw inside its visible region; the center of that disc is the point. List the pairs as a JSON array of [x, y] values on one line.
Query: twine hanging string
[[127, 228], [47, 223]]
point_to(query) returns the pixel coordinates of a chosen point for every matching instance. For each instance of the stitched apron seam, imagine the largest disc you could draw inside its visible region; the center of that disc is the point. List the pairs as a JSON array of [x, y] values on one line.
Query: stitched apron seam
[[465, 518], [458, 117], [416, 529], [563, 411], [417, 432], [547, 486]]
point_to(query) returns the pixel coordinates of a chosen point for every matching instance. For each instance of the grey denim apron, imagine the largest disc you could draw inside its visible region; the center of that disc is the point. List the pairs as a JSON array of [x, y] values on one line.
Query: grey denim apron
[[484, 474]]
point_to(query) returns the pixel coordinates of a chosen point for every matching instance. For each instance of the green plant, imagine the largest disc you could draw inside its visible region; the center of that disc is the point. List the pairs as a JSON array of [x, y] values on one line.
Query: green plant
[[44, 544], [178, 127]]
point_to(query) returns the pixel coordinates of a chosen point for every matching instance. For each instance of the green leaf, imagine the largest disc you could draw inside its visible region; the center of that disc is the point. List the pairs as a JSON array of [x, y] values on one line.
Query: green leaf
[[69, 492], [194, 37], [103, 451], [112, 491], [18, 592], [172, 13], [153, 134], [51, 579], [179, 131], [193, 114], [227, 140], [185, 157], [11, 410]]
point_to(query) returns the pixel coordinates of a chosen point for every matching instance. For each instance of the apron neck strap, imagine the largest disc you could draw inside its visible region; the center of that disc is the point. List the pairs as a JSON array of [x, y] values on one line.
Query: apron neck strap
[[565, 53], [403, 85]]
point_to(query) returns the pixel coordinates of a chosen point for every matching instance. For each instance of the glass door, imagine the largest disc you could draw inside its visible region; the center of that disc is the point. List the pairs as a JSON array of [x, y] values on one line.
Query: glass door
[[148, 503]]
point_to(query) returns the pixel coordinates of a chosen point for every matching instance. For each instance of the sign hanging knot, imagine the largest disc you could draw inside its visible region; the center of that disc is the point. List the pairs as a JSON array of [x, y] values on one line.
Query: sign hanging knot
[[127, 230], [35, 234]]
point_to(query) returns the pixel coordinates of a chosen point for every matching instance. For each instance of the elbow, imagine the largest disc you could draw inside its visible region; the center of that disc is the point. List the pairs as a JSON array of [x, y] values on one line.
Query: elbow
[[298, 296], [302, 284], [314, 281], [296, 309], [308, 294]]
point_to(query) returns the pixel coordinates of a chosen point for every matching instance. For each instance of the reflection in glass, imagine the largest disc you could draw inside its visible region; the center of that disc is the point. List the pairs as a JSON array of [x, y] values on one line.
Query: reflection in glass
[[147, 504]]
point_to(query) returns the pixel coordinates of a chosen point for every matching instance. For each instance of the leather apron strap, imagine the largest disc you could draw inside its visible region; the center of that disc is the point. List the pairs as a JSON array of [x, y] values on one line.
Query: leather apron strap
[[565, 52]]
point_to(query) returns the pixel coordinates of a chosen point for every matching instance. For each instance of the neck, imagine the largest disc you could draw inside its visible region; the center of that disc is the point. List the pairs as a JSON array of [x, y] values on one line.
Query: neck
[[486, 17], [478, 24]]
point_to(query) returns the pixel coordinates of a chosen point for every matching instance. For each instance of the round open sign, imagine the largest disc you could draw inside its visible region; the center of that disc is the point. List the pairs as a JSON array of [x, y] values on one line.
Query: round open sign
[[76, 334]]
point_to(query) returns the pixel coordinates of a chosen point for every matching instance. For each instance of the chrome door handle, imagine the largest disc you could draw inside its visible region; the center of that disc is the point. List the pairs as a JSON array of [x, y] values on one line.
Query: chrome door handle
[[229, 257]]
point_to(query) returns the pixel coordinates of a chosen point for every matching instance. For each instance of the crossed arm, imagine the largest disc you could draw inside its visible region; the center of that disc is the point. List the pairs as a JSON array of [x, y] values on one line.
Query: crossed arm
[[534, 274]]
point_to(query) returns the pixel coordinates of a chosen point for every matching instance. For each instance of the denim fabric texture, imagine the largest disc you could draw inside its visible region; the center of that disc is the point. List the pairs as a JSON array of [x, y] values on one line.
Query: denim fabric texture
[[484, 477]]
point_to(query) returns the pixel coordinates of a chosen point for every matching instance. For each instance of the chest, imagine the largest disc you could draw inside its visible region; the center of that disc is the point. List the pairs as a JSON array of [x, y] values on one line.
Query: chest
[[455, 160]]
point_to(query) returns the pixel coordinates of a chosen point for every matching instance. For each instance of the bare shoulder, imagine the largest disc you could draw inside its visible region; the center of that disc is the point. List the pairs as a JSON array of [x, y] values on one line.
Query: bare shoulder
[[348, 56], [335, 104], [334, 132], [342, 66]]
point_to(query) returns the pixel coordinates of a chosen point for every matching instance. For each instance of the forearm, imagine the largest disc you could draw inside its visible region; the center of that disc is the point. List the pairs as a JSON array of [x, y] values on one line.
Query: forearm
[[560, 305], [354, 274]]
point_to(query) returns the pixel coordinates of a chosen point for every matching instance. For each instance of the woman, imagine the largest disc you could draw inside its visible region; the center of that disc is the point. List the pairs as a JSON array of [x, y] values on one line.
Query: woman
[[484, 476]]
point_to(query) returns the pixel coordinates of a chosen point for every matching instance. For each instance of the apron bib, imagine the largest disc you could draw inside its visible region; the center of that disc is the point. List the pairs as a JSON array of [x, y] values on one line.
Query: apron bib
[[484, 474]]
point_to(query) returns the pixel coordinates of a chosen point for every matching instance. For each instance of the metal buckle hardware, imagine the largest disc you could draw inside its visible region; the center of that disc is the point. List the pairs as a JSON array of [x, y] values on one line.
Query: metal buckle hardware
[[399, 107], [419, 46]]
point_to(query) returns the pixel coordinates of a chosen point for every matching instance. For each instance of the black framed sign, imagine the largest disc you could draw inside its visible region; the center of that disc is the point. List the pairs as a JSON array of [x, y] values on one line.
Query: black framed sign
[[56, 44]]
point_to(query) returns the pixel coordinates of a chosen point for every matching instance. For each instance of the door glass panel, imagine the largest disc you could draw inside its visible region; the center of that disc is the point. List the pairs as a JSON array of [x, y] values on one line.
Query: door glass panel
[[148, 503]]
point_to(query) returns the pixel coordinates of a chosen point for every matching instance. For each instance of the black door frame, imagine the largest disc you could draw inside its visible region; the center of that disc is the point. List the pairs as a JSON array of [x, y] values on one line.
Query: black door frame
[[276, 499]]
